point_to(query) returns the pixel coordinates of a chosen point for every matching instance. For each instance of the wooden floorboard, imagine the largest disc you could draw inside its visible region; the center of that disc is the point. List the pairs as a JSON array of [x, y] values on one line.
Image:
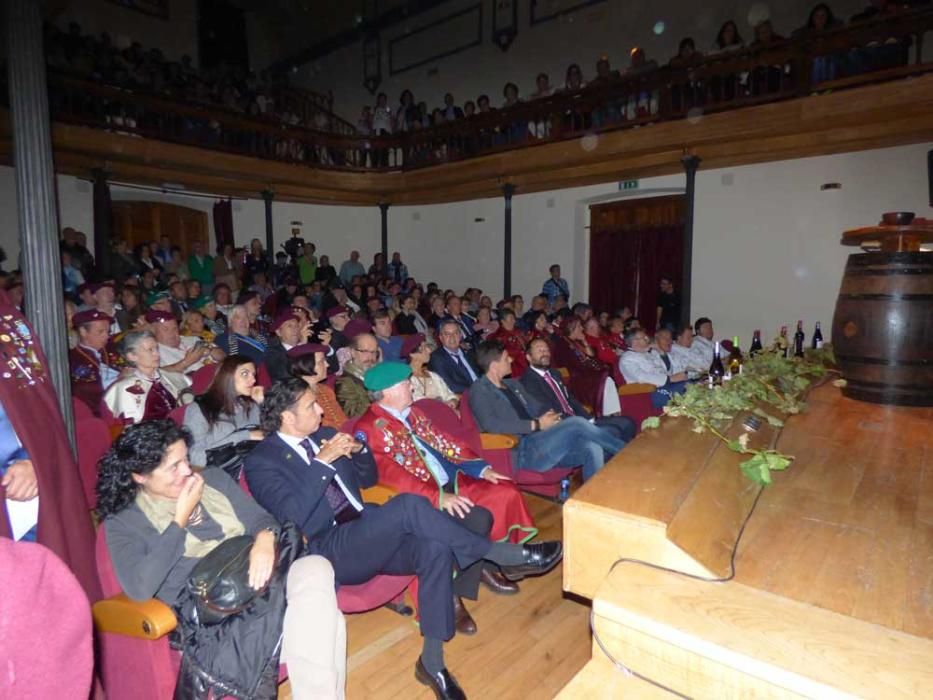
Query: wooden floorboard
[[529, 645]]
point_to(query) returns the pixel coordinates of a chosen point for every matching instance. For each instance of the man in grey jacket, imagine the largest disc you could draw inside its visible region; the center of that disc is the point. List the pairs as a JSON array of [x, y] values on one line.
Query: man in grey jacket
[[546, 440]]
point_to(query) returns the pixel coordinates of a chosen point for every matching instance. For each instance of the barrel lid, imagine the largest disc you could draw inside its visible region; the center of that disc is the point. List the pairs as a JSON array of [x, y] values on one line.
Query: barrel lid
[[891, 238]]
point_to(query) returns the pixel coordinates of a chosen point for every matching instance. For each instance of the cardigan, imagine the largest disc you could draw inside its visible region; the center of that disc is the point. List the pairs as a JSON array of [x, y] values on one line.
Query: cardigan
[[224, 431]]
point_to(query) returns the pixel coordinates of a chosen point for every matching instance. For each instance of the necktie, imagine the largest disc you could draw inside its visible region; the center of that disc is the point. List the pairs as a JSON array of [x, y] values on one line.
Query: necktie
[[667, 360], [564, 404], [463, 366], [344, 511]]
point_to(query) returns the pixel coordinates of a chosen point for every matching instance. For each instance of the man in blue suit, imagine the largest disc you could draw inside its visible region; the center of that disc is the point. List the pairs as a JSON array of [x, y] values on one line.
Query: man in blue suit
[[311, 476], [456, 367]]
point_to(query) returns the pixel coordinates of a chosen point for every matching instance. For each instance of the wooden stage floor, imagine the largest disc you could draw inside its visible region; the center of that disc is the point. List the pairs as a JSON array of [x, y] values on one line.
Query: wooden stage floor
[[528, 645]]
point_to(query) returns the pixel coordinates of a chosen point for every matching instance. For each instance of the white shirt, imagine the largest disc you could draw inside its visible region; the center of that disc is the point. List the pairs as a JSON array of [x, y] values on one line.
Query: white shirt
[[169, 356], [643, 368], [682, 359], [702, 351], [295, 444]]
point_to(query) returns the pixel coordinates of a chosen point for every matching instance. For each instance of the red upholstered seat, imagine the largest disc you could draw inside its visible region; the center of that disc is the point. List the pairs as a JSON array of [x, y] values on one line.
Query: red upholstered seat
[[263, 378], [202, 378], [92, 437], [545, 484], [178, 415]]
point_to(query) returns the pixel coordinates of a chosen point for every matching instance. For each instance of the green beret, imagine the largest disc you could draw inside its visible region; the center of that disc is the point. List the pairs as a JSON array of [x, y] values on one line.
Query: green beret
[[202, 301], [156, 296], [386, 374]]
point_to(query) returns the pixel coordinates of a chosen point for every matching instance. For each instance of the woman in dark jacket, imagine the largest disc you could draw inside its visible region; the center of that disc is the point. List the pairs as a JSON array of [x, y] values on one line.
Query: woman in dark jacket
[[161, 519]]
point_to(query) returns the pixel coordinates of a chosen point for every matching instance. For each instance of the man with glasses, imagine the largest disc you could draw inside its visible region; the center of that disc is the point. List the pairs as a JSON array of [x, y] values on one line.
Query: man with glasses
[[351, 392], [641, 364], [456, 367]]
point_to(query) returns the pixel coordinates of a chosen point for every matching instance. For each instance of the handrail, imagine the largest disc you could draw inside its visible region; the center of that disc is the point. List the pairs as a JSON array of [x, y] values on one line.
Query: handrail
[[795, 67]]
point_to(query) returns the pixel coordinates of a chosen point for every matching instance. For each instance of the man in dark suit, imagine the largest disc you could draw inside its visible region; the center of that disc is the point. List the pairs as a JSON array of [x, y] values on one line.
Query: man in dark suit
[[465, 322], [288, 334], [456, 367], [312, 476], [546, 439], [546, 387]]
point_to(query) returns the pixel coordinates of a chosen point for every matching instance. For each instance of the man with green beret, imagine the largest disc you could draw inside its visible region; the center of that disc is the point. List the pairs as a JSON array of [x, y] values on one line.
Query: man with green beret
[[214, 321]]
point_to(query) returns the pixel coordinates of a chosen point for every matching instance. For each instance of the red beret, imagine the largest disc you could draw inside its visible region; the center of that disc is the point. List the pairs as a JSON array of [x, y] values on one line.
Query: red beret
[[100, 285], [82, 317], [411, 343], [306, 349], [283, 318], [337, 310], [159, 316], [356, 327]]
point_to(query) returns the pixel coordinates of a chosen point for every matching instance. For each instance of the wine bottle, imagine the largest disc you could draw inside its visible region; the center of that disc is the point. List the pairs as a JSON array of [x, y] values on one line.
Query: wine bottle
[[798, 340], [817, 337], [716, 370], [782, 341], [735, 358], [756, 343]]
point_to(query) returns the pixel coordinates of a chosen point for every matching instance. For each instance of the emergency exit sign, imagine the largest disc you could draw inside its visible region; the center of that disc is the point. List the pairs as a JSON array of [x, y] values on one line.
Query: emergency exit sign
[[628, 185]]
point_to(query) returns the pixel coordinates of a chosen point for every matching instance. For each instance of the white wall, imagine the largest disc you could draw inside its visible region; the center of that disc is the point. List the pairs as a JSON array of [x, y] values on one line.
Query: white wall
[[611, 28], [766, 238]]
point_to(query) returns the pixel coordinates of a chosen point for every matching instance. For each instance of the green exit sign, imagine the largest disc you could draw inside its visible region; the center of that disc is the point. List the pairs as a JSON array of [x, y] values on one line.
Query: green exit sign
[[628, 185]]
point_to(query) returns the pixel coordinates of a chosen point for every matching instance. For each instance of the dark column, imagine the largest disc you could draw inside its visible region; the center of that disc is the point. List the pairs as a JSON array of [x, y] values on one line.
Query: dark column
[[691, 163], [35, 192], [507, 192], [103, 223], [384, 212], [267, 196]]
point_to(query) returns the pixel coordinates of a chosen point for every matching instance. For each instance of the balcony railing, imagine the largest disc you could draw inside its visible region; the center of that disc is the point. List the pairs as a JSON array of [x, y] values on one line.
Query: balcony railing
[[885, 49]]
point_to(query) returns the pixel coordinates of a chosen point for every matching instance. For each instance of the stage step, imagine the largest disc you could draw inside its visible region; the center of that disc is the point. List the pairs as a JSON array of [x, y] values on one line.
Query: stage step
[[721, 641], [600, 680]]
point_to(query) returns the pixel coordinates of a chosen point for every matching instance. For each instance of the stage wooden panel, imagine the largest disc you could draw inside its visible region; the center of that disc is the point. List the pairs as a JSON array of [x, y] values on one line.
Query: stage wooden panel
[[833, 592]]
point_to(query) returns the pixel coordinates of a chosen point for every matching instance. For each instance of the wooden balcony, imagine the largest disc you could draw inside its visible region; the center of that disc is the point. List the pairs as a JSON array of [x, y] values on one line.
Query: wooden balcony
[[812, 96]]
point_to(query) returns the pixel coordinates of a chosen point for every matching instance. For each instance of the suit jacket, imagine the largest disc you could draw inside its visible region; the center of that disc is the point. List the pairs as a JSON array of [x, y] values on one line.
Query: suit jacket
[[276, 361], [292, 490], [451, 372], [536, 387], [493, 411]]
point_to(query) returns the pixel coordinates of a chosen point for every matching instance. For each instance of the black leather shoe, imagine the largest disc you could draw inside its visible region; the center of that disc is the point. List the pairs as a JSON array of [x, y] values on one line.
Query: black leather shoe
[[496, 582], [538, 559], [463, 621], [444, 685]]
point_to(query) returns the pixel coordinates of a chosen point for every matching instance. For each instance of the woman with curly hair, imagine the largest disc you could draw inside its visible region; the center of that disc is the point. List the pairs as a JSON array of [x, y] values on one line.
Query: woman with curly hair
[[161, 519], [228, 412]]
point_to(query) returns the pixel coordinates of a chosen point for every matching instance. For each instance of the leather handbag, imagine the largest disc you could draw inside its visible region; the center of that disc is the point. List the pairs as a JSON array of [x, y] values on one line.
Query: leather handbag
[[229, 457], [219, 583]]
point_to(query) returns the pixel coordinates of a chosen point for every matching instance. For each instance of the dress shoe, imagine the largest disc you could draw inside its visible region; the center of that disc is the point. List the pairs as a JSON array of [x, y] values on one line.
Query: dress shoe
[[400, 607], [462, 619], [538, 559], [497, 583], [444, 685]]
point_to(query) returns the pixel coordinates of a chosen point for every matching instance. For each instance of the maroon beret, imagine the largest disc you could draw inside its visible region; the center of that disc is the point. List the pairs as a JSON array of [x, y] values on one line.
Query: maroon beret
[[336, 311], [356, 327], [410, 344], [283, 318], [98, 286], [82, 317], [306, 349], [159, 316]]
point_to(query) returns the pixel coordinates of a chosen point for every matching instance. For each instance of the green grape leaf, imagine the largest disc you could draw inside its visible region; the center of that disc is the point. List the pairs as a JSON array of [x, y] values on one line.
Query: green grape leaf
[[735, 446], [651, 423]]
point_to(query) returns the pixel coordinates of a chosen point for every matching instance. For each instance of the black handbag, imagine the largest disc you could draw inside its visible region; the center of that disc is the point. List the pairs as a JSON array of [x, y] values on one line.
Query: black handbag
[[219, 583], [229, 457]]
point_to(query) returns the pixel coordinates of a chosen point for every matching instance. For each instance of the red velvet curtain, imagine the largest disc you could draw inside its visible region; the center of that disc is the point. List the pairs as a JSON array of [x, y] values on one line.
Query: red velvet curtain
[[223, 223], [626, 265]]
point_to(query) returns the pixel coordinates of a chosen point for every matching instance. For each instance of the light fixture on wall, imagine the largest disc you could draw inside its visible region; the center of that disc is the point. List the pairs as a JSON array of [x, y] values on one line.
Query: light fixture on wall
[[830, 186]]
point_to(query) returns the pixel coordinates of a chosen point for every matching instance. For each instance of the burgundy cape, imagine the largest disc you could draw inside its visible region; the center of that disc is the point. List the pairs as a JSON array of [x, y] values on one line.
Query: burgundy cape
[[64, 518]]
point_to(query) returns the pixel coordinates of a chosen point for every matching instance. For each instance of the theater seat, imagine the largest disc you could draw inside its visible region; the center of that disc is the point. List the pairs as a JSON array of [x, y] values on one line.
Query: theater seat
[[495, 448], [635, 400], [92, 440], [202, 378]]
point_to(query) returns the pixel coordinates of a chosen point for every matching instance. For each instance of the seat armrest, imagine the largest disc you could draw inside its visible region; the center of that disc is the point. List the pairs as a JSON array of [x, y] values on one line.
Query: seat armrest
[[629, 389], [378, 494], [498, 441], [142, 619]]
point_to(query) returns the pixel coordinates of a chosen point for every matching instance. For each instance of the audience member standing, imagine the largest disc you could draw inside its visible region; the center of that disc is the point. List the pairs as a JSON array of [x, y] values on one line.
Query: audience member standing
[[555, 286]]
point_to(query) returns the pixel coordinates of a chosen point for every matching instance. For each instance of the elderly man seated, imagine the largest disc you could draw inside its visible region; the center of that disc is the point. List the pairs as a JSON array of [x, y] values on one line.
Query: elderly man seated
[[415, 456], [546, 439], [177, 353], [93, 368], [702, 348], [682, 355], [351, 392], [290, 331], [457, 368], [642, 364]]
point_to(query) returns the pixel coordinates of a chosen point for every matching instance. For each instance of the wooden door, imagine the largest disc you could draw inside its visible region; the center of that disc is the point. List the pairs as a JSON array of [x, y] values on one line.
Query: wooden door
[[137, 222]]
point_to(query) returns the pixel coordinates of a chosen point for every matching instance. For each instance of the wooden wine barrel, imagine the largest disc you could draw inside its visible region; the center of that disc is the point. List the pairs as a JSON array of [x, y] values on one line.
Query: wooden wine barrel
[[883, 328]]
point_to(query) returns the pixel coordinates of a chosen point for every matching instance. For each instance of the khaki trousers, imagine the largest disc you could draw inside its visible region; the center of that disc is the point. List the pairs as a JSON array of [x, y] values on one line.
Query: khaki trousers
[[314, 632]]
